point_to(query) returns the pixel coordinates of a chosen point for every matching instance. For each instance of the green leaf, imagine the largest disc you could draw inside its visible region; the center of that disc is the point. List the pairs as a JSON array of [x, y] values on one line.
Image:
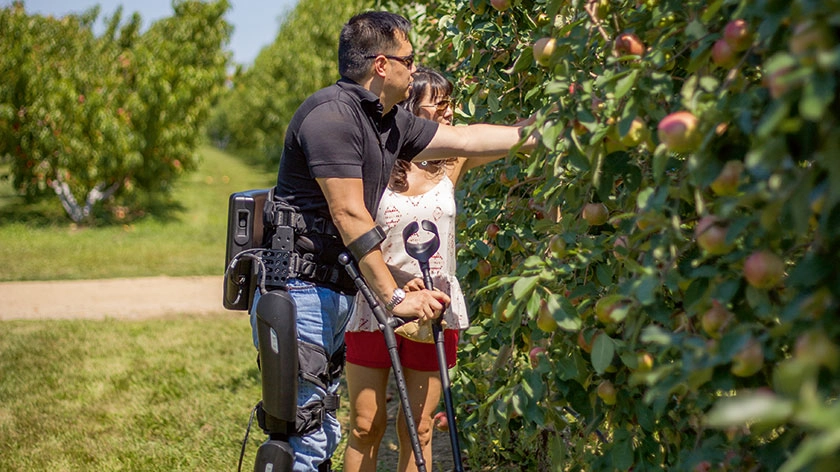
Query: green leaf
[[817, 95], [474, 330], [749, 408], [656, 335], [625, 84], [622, 450], [603, 351], [710, 11], [524, 286]]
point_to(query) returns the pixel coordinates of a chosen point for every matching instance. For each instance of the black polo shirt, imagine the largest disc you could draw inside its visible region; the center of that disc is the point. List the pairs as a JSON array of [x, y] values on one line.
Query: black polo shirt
[[340, 131]]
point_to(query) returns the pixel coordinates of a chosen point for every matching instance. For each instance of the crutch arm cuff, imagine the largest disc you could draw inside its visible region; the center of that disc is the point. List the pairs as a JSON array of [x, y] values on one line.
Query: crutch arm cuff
[[366, 242]]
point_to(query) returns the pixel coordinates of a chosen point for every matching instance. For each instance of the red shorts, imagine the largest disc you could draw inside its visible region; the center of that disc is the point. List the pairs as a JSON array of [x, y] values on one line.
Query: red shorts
[[368, 349]]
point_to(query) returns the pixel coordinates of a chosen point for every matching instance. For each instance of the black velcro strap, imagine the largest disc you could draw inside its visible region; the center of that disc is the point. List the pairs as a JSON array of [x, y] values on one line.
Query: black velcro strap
[[366, 242], [332, 402], [311, 416]]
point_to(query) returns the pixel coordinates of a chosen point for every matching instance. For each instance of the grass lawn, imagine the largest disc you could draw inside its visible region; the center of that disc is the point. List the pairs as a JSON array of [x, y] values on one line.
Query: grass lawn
[[170, 394], [188, 241]]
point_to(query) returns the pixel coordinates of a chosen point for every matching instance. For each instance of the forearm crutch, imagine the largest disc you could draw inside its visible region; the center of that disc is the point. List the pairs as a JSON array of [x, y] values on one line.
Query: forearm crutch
[[387, 325], [423, 251]]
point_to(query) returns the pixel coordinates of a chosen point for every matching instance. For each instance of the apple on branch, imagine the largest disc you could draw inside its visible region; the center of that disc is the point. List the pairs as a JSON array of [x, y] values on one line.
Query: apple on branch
[[737, 35], [710, 234], [595, 214], [441, 421], [543, 49], [629, 44], [749, 360], [606, 391], [726, 183], [715, 319], [723, 55], [678, 131], [545, 319], [534, 355], [500, 5], [764, 269]]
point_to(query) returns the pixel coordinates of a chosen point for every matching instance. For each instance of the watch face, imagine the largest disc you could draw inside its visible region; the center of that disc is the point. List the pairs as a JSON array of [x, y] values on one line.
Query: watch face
[[396, 298]]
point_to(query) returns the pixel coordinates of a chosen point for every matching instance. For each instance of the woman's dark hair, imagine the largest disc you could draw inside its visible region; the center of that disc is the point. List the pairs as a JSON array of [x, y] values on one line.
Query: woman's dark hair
[[369, 34], [438, 87]]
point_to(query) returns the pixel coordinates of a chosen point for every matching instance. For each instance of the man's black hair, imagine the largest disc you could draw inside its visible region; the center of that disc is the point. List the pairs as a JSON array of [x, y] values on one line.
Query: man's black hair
[[369, 34]]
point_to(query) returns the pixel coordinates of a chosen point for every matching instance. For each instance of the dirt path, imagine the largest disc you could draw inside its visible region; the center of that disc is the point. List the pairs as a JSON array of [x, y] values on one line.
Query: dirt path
[[110, 298]]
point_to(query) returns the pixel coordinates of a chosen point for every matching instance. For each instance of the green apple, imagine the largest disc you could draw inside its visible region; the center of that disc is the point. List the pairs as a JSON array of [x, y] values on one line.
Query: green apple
[[606, 391], [543, 49], [749, 360]]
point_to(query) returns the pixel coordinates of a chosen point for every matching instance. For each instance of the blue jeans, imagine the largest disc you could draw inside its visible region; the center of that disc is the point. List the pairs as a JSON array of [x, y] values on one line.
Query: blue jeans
[[322, 316]]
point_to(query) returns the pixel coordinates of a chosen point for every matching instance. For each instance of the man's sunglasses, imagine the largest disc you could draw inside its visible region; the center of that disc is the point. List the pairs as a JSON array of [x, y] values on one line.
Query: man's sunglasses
[[407, 61]]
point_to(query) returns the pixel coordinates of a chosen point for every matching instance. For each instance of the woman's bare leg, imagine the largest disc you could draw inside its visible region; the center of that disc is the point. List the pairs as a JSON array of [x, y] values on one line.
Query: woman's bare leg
[[368, 417]]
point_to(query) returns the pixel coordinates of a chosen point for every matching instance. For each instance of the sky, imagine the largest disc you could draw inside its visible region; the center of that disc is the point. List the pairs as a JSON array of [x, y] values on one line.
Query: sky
[[255, 22]]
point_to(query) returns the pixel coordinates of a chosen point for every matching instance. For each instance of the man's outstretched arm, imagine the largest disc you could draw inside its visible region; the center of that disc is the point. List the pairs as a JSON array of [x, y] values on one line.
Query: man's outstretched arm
[[479, 140]]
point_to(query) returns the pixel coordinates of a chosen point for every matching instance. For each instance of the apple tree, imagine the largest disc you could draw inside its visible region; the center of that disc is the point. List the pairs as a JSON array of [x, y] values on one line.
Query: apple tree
[[654, 287], [252, 116], [117, 115]]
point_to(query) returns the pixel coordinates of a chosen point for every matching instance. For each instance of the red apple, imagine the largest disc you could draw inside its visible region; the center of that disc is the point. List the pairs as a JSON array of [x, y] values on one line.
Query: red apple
[[764, 269], [606, 390], [715, 319], [749, 360], [678, 131], [737, 35], [710, 234], [629, 43], [543, 49], [441, 421], [500, 5], [702, 466], [595, 214], [534, 355], [723, 55], [492, 230], [726, 183]]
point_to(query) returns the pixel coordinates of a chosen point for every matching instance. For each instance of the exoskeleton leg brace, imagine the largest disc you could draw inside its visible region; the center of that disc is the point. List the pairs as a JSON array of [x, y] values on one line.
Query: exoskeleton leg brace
[[278, 351], [284, 361]]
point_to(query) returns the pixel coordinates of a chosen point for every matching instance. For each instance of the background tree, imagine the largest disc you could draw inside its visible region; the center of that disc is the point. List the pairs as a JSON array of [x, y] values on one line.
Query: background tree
[[654, 287], [253, 116], [117, 115]]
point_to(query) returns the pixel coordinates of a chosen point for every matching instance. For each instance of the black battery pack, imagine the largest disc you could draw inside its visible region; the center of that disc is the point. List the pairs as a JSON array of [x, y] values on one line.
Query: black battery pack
[[246, 230]]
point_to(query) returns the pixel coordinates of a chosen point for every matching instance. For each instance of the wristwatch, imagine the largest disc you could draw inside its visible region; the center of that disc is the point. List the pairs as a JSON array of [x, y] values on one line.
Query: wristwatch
[[396, 298]]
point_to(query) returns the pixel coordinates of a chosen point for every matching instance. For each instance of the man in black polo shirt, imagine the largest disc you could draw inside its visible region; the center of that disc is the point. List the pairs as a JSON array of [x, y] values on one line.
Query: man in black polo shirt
[[338, 154]]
